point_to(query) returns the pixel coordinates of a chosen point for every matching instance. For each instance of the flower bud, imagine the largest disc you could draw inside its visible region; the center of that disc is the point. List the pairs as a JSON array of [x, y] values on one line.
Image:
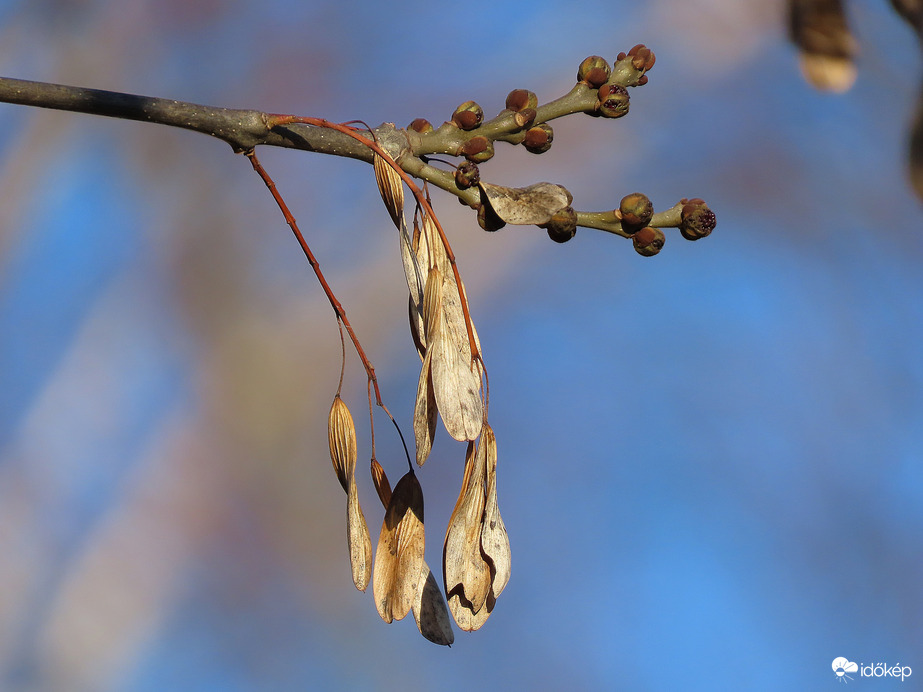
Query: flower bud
[[478, 149], [648, 241], [467, 174], [520, 99], [635, 211], [698, 220], [421, 125], [488, 219], [613, 101], [563, 225], [538, 139], [468, 116], [594, 70], [642, 57]]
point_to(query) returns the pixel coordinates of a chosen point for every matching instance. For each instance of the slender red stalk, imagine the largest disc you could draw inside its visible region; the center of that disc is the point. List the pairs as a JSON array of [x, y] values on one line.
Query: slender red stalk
[[315, 265], [275, 120], [337, 307]]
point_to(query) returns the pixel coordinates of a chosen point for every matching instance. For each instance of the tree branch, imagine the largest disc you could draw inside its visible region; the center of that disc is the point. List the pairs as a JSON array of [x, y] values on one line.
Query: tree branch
[[601, 91], [242, 129]]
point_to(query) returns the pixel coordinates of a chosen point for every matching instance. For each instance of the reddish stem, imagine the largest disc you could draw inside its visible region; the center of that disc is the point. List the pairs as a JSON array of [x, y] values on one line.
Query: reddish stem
[[275, 120], [337, 307]]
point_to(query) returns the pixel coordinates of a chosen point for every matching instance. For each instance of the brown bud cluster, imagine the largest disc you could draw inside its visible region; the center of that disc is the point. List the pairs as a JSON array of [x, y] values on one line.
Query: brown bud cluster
[[642, 57], [421, 125], [613, 101], [522, 103], [538, 139], [468, 115], [595, 71], [648, 241], [635, 212], [478, 149], [698, 220], [521, 99], [563, 225], [467, 175]]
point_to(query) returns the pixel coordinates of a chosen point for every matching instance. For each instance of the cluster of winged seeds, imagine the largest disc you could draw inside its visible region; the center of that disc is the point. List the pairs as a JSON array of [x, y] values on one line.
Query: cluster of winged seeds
[[476, 553], [453, 383]]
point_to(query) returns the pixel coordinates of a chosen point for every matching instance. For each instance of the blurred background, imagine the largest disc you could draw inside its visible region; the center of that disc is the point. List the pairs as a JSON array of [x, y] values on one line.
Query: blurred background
[[709, 460]]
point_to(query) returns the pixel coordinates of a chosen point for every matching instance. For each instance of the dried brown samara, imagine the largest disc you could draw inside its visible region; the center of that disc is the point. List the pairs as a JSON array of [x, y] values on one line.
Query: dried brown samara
[[341, 432]]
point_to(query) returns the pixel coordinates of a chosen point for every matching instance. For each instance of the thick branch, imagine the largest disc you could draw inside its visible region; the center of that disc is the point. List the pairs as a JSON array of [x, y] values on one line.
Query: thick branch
[[409, 149], [242, 129]]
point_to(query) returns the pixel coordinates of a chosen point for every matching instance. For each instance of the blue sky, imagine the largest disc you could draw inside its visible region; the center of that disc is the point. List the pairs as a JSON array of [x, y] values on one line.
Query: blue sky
[[710, 460]]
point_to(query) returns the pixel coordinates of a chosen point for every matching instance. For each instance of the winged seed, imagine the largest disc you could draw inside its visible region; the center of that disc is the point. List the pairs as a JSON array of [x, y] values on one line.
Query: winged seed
[[532, 205], [466, 572], [424, 413], [391, 188], [495, 543], [358, 539], [429, 610], [399, 558], [341, 434]]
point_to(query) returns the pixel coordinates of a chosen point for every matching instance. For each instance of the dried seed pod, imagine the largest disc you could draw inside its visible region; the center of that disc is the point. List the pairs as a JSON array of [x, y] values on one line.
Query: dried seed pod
[[341, 434], [535, 204], [521, 99], [697, 221], [635, 211], [827, 49], [415, 282], [538, 138], [648, 241], [391, 188], [416, 327], [594, 70], [468, 115], [425, 408], [429, 610], [456, 377], [563, 225], [399, 558], [467, 174], [357, 538], [425, 411], [421, 125], [432, 303], [488, 219], [380, 480], [495, 543], [456, 382], [613, 101], [465, 570]]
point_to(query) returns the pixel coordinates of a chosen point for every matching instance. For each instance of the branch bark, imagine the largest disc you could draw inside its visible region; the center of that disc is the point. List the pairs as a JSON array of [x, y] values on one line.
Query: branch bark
[[242, 129], [409, 149]]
